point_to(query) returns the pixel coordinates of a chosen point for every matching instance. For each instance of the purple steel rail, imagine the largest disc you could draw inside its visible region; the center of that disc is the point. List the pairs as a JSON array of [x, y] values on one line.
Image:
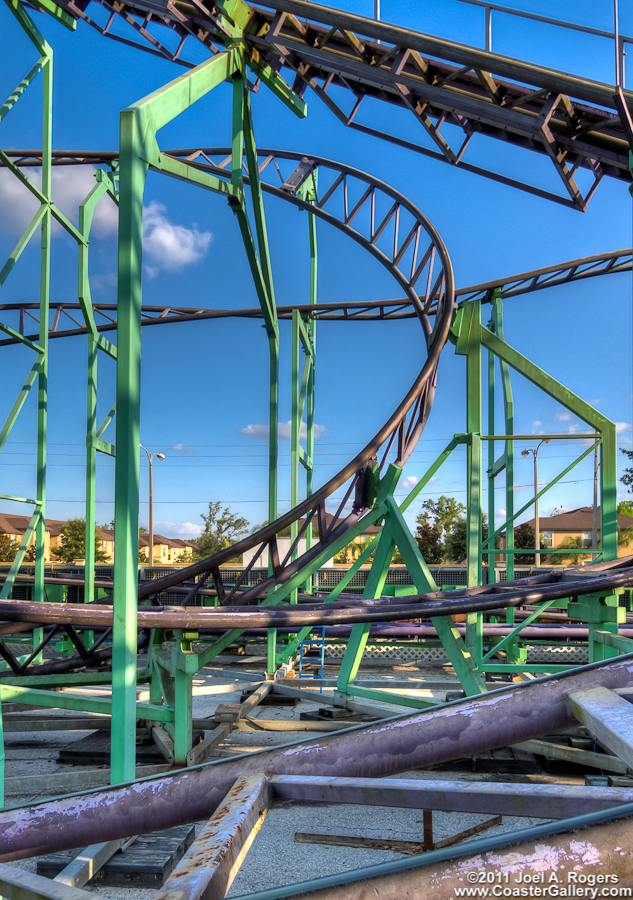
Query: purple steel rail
[[348, 611], [497, 719]]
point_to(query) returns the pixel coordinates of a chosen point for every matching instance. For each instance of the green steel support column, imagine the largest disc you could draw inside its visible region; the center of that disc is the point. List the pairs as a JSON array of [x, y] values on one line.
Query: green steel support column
[[271, 321], [295, 436], [609, 493], [373, 588], [310, 400], [1, 760], [91, 472], [473, 429], [508, 409], [42, 381], [492, 473], [457, 650], [133, 171], [86, 212]]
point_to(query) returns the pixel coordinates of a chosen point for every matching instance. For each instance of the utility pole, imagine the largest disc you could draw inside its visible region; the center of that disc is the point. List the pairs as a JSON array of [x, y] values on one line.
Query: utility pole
[[537, 524], [594, 530], [150, 457]]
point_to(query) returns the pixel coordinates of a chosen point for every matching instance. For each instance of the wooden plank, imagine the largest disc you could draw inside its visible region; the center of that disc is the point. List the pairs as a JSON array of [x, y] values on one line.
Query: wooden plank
[[210, 865], [16, 884], [87, 864], [609, 717], [57, 783], [571, 754], [256, 697], [16, 724], [406, 848], [164, 742], [202, 750]]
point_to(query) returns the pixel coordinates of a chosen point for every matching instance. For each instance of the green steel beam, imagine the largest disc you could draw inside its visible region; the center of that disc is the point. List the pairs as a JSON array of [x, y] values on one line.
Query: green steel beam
[[15, 95], [29, 28], [66, 700], [57, 13], [19, 402], [16, 253]]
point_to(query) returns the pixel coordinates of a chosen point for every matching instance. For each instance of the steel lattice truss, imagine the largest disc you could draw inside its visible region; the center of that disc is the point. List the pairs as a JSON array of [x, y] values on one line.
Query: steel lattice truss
[[454, 91]]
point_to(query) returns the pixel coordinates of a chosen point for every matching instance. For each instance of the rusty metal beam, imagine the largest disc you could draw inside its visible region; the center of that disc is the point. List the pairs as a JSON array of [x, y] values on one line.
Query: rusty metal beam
[[543, 801], [208, 868]]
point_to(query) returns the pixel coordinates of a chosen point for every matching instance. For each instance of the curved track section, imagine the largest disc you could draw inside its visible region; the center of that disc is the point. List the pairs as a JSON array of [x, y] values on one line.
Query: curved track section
[[400, 237], [394, 231]]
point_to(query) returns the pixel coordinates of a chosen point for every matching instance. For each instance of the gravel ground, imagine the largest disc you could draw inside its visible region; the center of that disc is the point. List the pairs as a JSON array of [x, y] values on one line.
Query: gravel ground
[[274, 858]]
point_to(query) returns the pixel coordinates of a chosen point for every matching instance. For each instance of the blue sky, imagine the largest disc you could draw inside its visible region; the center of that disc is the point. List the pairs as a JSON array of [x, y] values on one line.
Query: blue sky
[[204, 386]]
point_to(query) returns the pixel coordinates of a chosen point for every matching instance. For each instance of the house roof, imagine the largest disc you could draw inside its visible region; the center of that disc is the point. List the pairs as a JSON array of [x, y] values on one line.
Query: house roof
[[580, 519], [10, 524]]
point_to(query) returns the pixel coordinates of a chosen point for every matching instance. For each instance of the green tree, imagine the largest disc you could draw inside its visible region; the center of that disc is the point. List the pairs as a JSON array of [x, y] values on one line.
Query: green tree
[[625, 535], [8, 548], [524, 538], [627, 478], [73, 545], [443, 513], [456, 540], [429, 539], [222, 528]]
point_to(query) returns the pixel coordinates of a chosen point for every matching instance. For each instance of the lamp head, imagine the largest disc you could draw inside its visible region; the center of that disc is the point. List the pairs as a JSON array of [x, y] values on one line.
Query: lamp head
[[525, 453], [160, 456]]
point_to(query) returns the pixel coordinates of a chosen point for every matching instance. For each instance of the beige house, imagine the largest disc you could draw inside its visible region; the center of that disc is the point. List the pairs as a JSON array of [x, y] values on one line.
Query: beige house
[[15, 526], [166, 550], [573, 526]]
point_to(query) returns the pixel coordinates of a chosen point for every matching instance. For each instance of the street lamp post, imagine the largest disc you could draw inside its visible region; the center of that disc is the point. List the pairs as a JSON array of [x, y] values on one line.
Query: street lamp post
[[150, 457], [537, 528]]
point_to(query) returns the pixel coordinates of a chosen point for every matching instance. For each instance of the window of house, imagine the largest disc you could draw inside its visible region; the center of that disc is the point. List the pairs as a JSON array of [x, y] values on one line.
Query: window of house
[[587, 539], [164, 551], [104, 546], [546, 538]]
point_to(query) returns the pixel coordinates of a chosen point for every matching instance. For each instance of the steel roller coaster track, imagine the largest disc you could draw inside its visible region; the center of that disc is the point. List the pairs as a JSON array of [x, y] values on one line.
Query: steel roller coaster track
[[575, 122]]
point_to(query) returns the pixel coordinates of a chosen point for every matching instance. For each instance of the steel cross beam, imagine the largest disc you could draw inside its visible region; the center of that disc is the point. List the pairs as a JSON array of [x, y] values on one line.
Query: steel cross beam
[[575, 122], [615, 262]]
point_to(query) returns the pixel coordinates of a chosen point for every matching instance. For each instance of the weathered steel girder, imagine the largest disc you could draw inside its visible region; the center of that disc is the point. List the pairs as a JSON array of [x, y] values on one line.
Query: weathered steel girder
[[575, 122]]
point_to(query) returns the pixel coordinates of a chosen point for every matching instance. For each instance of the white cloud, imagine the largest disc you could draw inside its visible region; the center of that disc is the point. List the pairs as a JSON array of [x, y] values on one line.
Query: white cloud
[[261, 431], [103, 282], [69, 186], [168, 246], [536, 423], [501, 513], [562, 417], [182, 529], [622, 426], [573, 429], [180, 448], [409, 482]]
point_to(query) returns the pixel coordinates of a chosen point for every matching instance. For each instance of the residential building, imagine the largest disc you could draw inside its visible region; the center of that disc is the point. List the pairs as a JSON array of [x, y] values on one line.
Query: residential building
[[574, 525], [166, 550]]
